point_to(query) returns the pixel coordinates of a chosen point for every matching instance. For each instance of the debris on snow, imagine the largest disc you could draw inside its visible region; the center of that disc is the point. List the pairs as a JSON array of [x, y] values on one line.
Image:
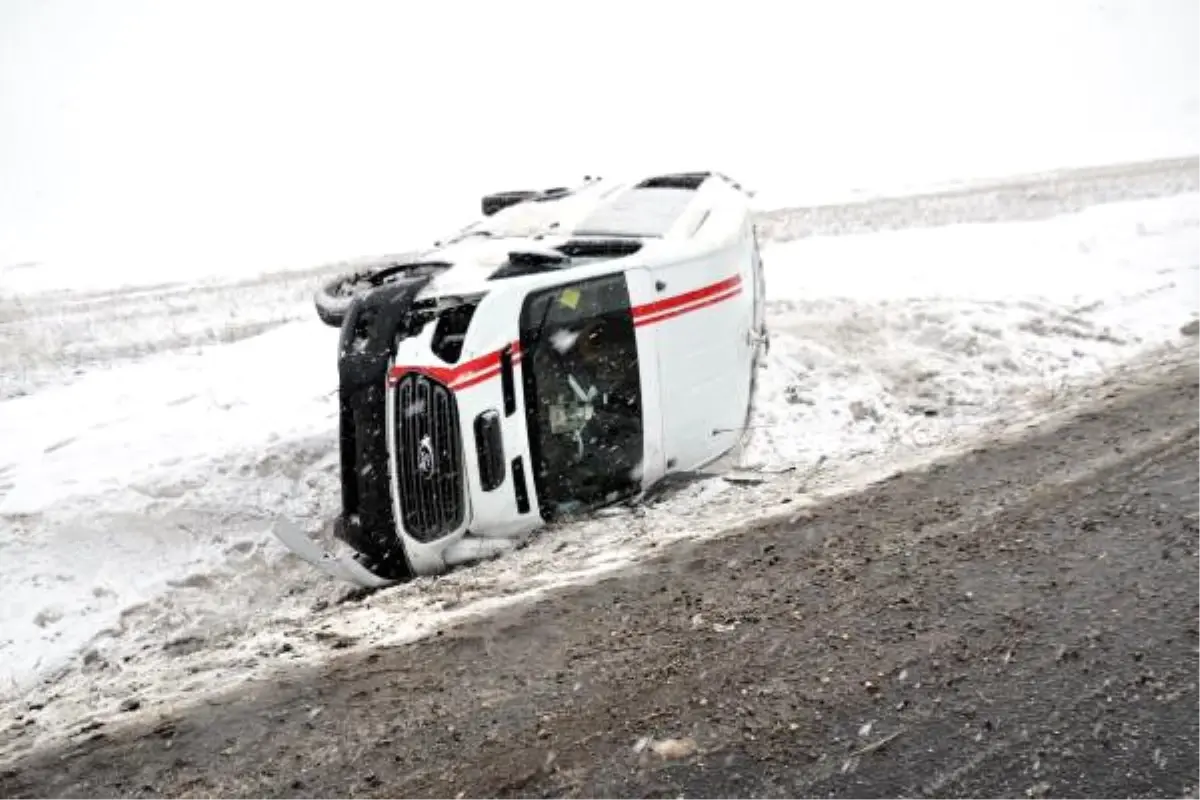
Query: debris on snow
[[674, 749], [743, 478], [873, 746]]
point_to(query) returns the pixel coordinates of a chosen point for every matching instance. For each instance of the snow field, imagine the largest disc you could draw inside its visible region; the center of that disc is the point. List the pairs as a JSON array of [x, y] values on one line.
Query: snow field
[[135, 532]]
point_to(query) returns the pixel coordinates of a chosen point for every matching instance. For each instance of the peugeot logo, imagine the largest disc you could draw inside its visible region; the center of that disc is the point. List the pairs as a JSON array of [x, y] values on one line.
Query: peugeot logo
[[425, 456]]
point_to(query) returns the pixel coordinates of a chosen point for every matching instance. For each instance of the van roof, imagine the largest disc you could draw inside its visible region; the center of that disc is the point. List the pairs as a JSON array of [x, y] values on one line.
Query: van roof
[[646, 208], [599, 220]]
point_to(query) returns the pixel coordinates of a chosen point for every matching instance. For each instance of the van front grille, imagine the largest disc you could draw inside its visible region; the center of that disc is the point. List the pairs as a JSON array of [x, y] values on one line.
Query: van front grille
[[428, 456]]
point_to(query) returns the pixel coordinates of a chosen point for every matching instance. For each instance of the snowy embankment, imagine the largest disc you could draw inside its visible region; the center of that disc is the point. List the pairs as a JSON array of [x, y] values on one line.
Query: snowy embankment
[[136, 500]]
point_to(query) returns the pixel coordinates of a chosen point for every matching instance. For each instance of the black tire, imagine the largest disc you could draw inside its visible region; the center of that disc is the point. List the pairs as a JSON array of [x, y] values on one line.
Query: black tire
[[333, 299], [501, 200]]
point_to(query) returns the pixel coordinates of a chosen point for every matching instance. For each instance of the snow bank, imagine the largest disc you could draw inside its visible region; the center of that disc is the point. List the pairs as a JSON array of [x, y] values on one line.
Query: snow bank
[[917, 335]]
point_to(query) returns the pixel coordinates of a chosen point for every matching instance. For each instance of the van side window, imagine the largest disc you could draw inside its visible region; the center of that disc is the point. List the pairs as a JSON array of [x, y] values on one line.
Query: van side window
[[582, 385]]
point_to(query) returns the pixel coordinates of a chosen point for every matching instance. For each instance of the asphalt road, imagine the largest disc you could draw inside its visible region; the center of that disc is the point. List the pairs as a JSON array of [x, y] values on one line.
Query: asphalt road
[[1020, 622]]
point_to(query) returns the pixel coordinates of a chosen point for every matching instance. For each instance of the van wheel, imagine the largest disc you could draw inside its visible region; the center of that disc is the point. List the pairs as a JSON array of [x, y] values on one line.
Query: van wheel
[[334, 298]]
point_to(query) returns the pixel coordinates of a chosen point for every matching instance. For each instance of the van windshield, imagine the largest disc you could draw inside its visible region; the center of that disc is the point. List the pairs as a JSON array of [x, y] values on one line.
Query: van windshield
[[583, 400]]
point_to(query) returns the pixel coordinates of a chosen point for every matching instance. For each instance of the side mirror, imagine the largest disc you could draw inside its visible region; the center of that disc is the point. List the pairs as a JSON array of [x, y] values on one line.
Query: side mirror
[[499, 201]]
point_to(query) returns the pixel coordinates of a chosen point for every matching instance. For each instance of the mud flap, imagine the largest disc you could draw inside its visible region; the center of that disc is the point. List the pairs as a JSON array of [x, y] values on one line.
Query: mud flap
[[344, 567]]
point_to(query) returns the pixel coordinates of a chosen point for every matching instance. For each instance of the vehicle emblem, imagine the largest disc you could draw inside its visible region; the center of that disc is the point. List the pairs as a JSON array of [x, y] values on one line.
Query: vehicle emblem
[[425, 456]]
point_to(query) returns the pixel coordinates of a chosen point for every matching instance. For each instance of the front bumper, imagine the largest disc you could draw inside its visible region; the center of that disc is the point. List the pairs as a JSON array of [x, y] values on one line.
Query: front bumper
[[372, 324]]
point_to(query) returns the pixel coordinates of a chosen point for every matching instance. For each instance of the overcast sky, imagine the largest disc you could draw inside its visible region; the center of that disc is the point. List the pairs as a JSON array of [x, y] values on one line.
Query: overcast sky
[[287, 129]]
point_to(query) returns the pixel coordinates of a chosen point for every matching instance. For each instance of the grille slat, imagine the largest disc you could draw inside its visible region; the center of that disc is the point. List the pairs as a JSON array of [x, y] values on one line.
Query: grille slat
[[428, 458]]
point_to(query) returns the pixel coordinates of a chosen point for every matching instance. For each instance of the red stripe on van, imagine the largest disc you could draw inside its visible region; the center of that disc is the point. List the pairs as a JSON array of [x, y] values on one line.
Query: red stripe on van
[[485, 367], [671, 307], [461, 376], [671, 313]]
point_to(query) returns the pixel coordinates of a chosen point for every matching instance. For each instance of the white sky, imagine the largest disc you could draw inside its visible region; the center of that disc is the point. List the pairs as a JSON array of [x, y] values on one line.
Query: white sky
[[289, 132]]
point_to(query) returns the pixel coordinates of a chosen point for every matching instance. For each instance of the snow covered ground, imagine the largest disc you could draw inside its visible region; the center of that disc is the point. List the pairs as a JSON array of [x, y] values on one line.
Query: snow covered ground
[[135, 531], [191, 412], [917, 333]]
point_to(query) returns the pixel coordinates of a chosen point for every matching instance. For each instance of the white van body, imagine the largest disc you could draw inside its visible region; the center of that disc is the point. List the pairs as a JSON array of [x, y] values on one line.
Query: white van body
[[499, 418]]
